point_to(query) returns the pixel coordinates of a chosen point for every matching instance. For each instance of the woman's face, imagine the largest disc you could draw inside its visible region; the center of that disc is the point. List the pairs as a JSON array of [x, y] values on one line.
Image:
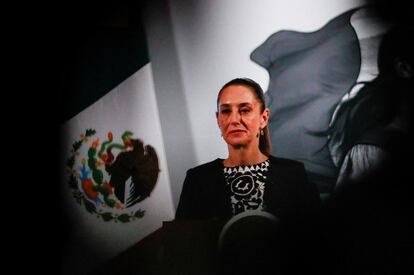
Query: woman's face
[[239, 116]]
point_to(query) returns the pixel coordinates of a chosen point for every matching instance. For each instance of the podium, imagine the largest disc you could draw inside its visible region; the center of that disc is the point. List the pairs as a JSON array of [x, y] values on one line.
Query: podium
[[246, 243], [178, 247]]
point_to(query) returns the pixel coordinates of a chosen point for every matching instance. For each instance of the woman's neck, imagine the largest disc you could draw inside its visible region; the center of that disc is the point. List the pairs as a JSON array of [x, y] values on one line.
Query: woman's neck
[[244, 156]]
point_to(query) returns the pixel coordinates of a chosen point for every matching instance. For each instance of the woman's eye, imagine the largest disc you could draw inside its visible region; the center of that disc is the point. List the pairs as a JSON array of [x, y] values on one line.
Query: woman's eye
[[225, 111], [244, 111]]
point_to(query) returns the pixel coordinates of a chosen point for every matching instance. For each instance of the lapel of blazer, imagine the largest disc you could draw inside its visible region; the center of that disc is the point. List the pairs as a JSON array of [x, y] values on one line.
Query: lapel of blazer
[[276, 195], [221, 193]]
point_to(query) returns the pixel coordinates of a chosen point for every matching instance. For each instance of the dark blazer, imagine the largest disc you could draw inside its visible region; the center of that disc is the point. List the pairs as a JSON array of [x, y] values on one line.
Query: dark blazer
[[287, 194]]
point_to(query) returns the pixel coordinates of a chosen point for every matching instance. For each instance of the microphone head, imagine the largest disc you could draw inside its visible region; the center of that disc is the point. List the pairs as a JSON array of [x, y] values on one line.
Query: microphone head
[[249, 239]]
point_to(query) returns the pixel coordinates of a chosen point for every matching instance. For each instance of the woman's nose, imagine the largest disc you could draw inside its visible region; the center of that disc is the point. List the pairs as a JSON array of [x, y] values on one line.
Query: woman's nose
[[234, 117]]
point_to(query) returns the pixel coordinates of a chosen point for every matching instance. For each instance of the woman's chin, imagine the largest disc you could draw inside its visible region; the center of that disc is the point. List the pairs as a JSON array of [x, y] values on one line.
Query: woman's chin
[[237, 143]]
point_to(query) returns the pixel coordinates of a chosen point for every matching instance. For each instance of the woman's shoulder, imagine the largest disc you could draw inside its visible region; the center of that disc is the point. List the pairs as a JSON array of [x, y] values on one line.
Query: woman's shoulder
[[208, 166]]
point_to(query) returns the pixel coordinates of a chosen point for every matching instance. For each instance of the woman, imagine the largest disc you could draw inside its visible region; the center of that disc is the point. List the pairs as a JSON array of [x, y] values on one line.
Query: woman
[[250, 178], [371, 137], [373, 125]]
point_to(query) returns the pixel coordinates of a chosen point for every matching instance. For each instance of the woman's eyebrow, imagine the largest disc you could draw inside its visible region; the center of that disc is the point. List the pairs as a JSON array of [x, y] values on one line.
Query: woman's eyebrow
[[243, 104]]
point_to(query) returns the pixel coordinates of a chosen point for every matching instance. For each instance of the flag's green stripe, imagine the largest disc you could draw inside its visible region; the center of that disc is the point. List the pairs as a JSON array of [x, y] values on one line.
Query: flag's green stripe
[[106, 58]]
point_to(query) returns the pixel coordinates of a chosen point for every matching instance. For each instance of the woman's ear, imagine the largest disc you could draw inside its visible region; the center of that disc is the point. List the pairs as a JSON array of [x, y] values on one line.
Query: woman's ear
[[264, 118]]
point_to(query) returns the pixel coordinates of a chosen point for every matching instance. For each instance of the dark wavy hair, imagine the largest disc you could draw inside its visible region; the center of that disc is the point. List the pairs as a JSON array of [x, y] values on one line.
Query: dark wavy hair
[[264, 141], [376, 104]]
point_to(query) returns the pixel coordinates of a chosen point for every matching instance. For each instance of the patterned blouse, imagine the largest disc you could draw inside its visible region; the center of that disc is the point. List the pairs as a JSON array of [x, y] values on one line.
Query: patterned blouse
[[247, 186]]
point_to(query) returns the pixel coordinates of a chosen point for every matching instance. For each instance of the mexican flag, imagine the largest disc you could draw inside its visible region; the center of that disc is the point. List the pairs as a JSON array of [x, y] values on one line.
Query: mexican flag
[[115, 186]]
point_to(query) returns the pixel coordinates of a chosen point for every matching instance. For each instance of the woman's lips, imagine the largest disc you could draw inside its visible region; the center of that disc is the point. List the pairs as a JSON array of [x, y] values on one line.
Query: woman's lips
[[236, 131]]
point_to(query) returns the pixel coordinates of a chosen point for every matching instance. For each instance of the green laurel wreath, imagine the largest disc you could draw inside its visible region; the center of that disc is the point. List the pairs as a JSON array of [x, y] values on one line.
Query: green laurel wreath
[[80, 196]]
